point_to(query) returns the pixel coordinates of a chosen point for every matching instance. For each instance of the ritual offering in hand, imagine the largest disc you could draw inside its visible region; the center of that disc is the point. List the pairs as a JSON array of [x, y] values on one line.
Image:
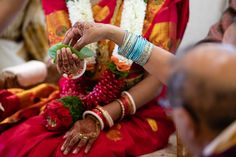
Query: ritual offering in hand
[[82, 54], [61, 114]]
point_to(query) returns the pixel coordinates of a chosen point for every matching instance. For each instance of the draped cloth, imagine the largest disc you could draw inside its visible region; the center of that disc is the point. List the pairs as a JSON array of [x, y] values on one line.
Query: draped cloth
[[146, 131], [25, 38]]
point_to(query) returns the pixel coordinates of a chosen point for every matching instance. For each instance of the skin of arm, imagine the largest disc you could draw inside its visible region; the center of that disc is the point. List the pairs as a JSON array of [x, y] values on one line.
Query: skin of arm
[[9, 9], [158, 64], [87, 33], [158, 67], [142, 93]]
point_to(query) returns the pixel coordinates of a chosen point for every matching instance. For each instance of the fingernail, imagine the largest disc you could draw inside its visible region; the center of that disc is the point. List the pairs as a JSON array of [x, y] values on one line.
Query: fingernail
[[75, 151], [65, 152], [64, 136], [65, 75], [62, 148], [74, 56], [86, 151]]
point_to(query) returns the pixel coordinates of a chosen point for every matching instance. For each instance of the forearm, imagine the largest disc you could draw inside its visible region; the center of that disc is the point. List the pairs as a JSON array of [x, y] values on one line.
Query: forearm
[[9, 9], [114, 33], [142, 93], [159, 63]]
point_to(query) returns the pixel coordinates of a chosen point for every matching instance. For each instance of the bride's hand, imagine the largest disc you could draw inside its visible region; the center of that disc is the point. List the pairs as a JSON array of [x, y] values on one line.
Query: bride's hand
[[83, 33], [67, 63], [83, 134]]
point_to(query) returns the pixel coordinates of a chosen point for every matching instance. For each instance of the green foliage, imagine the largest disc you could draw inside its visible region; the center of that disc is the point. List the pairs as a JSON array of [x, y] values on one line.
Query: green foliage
[[75, 106], [83, 53], [119, 74]]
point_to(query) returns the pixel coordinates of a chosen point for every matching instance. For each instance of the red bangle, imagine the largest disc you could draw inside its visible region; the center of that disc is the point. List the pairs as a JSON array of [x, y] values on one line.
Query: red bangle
[[99, 113], [126, 105]]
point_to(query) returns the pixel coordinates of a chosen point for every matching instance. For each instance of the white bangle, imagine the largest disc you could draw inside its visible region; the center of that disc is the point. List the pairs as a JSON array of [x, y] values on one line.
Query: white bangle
[[107, 116], [131, 101], [96, 116]]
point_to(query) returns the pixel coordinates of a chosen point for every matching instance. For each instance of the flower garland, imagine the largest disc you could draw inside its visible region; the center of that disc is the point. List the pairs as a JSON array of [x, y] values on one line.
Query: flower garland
[[80, 10], [136, 9]]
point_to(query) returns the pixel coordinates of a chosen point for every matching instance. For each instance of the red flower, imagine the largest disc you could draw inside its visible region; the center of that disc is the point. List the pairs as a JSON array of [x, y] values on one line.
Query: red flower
[[57, 117]]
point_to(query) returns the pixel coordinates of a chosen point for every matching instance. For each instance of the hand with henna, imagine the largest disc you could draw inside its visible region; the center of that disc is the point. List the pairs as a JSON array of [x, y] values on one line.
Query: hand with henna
[[67, 63], [83, 33], [78, 36], [83, 134]]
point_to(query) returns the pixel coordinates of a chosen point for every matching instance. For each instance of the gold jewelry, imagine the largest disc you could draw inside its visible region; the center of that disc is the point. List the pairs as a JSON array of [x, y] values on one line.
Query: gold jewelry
[[85, 138]]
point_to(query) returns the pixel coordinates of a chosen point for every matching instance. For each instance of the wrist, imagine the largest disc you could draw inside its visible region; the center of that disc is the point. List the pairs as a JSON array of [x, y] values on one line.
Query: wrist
[[93, 120], [114, 34]]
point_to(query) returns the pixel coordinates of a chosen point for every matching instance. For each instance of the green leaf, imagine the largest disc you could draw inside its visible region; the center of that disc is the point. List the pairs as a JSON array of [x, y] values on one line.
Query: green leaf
[[75, 105], [83, 53]]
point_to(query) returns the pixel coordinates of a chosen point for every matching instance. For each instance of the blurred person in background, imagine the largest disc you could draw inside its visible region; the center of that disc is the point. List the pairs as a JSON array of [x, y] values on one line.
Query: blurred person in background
[[230, 34], [217, 30], [22, 32], [232, 4]]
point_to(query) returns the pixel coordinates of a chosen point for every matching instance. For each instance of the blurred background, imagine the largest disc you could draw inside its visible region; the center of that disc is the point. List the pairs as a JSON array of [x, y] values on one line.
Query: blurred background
[[203, 14]]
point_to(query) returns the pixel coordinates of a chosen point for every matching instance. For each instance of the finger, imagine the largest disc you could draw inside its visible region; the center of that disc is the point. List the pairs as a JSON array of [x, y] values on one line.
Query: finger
[[66, 134], [77, 34], [65, 60], [65, 144], [81, 144], [89, 145], [69, 55], [59, 61], [71, 144], [76, 24], [71, 61], [68, 37], [76, 60], [80, 43]]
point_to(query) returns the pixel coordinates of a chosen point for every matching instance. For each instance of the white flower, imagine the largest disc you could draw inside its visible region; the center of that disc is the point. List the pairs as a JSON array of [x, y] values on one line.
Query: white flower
[[132, 20], [81, 10]]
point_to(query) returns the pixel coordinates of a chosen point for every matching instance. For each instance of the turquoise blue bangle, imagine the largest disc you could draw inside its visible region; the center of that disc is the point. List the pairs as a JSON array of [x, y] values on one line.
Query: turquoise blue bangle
[[132, 54], [135, 48], [138, 51]]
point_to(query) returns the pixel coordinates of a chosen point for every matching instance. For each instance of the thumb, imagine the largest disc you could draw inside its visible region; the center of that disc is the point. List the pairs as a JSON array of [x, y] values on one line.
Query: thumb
[[80, 44]]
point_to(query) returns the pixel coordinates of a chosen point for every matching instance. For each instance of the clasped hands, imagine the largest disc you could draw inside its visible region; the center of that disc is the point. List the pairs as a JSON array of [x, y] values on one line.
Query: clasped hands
[[81, 34]]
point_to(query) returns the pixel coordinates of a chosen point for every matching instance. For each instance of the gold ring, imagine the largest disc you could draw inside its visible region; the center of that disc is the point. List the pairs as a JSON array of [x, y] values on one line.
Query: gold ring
[[85, 138], [81, 135]]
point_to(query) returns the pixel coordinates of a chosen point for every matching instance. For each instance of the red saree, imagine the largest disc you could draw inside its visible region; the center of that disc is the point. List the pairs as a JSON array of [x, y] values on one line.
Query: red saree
[[147, 131]]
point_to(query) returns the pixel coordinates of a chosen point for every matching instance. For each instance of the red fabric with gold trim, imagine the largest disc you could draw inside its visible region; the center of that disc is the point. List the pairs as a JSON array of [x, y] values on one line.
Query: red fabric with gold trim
[[104, 10], [57, 19], [144, 132]]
